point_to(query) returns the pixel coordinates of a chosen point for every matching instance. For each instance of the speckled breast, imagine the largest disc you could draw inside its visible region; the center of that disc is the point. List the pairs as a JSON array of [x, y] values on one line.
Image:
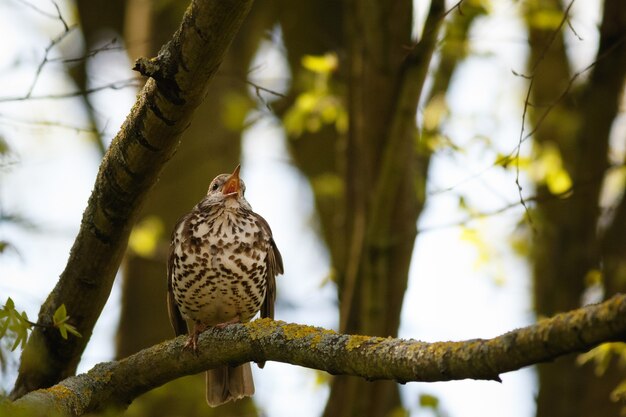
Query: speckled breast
[[219, 270]]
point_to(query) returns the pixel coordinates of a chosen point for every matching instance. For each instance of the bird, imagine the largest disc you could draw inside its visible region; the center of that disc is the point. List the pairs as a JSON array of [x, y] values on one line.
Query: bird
[[222, 269]]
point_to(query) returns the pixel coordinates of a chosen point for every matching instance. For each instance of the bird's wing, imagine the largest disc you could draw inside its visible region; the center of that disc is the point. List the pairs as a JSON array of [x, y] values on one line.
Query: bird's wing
[[176, 318], [274, 266]]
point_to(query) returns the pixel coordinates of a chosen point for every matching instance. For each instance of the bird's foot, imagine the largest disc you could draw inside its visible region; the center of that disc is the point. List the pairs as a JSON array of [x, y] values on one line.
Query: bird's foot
[[226, 323], [192, 341]]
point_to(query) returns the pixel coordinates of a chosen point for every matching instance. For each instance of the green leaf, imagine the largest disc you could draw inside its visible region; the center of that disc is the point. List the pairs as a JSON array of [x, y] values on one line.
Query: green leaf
[[602, 356], [435, 112], [60, 319], [63, 330], [321, 64], [4, 147], [21, 335], [145, 236], [619, 393], [60, 316], [4, 327], [14, 324], [549, 169], [327, 184], [68, 328], [429, 401], [546, 19], [593, 277], [15, 344], [71, 329]]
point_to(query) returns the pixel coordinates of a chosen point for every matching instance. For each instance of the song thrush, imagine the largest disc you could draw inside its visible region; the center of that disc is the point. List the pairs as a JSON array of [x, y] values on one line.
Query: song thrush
[[221, 270]]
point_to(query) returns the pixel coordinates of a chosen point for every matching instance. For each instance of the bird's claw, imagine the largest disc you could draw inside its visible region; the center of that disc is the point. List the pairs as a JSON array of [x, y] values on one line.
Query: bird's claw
[[227, 323], [192, 341]]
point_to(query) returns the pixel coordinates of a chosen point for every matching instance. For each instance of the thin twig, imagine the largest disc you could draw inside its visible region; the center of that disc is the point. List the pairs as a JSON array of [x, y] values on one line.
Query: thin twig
[[514, 153], [60, 16], [46, 123], [536, 198], [44, 61], [42, 12], [66, 31], [109, 46], [569, 24], [522, 138], [519, 147], [258, 89], [117, 85]]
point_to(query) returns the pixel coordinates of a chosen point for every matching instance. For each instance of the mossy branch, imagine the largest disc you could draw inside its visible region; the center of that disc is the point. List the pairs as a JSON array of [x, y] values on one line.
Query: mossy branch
[[116, 384]]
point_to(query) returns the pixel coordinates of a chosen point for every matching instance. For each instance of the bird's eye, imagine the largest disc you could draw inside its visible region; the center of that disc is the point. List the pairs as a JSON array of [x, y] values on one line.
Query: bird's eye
[[215, 186]]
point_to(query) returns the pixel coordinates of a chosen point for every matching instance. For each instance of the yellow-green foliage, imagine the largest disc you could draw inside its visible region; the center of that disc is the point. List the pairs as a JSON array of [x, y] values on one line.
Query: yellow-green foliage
[[327, 185], [13, 324], [236, 107], [548, 169], [145, 236], [317, 105], [60, 321], [543, 15], [487, 253], [603, 355]]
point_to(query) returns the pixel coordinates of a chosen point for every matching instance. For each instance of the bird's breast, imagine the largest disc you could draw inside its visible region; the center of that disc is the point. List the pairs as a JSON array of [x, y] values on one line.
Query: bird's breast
[[219, 269]]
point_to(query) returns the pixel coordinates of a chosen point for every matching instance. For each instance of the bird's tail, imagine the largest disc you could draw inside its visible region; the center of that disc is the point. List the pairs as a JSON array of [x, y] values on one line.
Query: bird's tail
[[226, 384]]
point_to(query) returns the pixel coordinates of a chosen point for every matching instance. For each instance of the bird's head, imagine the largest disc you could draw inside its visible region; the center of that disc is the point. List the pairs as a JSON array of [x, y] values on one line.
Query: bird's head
[[227, 187]]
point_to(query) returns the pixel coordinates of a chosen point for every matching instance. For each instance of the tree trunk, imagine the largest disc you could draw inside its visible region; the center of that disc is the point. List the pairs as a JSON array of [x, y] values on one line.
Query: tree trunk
[[377, 75], [380, 178], [568, 241]]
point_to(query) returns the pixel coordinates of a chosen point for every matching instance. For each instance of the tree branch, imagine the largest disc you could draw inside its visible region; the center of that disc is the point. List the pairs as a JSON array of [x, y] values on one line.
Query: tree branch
[[116, 384], [147, 139], [403, 129]]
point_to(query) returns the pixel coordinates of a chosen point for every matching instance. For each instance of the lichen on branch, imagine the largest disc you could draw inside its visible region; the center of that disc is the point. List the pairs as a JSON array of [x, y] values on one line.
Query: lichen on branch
[[114, 384]]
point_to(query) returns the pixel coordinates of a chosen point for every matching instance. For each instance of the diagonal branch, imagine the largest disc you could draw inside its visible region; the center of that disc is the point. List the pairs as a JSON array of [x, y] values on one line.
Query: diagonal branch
[[403, 130], [115, 384], [147, 139], [397, 164]]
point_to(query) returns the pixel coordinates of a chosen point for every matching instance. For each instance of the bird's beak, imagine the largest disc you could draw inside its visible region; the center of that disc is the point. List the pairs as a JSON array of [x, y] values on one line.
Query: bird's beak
[[232, 184]]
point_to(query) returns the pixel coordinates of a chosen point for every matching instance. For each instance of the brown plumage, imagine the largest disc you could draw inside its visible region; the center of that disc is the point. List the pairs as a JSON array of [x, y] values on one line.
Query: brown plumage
[[221, 270]]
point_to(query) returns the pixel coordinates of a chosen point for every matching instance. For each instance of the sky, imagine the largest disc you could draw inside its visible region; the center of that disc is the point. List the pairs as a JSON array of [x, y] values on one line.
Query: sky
[[50, 173]]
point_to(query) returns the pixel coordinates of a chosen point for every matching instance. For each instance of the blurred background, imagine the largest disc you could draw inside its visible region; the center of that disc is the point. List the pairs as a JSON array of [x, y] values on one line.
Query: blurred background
[[507, 204]]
